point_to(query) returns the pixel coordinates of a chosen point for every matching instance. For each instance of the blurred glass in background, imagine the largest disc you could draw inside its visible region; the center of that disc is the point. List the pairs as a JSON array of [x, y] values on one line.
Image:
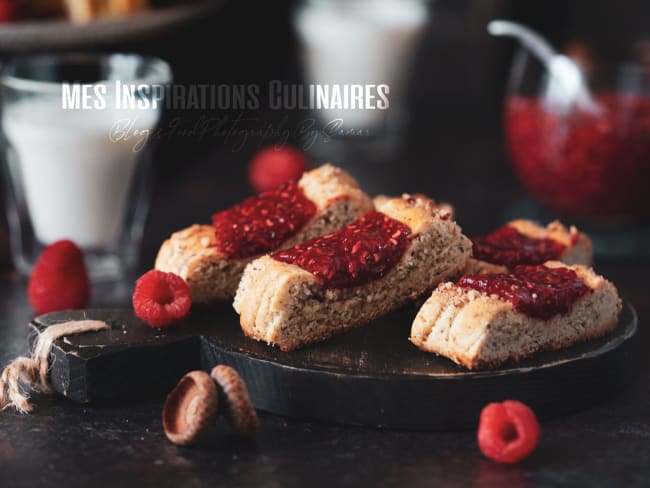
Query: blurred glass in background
[[370, 43], [78, 172]]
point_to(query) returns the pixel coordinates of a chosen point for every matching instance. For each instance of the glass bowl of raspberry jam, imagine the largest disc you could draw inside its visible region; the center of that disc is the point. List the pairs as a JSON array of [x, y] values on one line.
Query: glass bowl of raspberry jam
[[577, 162]]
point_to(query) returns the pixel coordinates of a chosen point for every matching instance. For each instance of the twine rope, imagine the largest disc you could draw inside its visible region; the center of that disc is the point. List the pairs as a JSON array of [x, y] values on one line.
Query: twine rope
[[30, 373]]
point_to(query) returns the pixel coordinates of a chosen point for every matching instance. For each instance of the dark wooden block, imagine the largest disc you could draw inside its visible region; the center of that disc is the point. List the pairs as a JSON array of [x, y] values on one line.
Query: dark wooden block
[[369, 376], [129, 361]]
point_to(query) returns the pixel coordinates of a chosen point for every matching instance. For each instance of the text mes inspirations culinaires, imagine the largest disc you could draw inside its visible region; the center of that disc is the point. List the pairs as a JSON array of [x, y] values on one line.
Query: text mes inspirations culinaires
[[99, 96]]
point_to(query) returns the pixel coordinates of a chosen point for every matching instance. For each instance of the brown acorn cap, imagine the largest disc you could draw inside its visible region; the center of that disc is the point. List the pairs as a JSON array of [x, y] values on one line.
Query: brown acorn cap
[[190, 408], [238, 408]]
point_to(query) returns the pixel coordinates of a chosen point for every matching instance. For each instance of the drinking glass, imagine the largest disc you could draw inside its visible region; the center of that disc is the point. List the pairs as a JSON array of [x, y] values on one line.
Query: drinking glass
[[76, 133], [348, 43]]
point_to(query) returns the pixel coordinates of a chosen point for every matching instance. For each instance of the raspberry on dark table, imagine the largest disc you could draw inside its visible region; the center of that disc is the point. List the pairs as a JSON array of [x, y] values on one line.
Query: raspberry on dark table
[[59, 280], [508, 432], [275, 165], [161, 299]]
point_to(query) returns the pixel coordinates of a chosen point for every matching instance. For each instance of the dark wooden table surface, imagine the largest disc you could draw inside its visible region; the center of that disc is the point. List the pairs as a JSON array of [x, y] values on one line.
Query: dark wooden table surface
[[453, 150], [72, 445], [63, 444]]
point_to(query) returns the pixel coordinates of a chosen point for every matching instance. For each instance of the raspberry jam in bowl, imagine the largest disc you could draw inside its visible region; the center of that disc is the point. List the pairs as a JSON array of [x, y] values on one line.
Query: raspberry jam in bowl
[[574, 161]]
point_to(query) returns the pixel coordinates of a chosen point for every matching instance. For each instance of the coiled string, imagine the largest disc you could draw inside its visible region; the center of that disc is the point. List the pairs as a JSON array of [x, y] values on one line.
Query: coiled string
[[30, 373]]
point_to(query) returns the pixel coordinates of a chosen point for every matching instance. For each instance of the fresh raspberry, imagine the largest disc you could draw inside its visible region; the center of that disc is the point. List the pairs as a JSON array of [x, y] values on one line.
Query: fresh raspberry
[[7, 10], [508, 432], [160, 298], [275, 165], [59, 280]]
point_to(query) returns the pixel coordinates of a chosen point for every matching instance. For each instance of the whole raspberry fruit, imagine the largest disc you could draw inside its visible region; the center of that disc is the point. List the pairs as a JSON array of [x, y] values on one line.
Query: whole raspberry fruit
[[160, 298], [508, 432], [8, 10], [275, 165], [59, 280]]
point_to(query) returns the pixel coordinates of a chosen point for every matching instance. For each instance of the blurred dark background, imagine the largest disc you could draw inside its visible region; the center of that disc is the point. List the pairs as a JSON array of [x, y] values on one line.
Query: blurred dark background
[[453, 147]]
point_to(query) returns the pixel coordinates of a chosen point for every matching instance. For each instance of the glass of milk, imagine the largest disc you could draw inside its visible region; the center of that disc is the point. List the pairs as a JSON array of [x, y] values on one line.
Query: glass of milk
[[365, 43], [76, 130]]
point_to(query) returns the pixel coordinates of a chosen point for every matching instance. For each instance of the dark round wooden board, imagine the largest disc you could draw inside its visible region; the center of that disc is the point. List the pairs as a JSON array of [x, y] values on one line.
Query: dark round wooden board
[[374, 376], [369, 376]]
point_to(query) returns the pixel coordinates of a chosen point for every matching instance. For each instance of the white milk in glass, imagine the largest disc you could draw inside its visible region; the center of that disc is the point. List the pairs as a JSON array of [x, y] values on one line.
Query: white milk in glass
[[75, 178], [360, 42]]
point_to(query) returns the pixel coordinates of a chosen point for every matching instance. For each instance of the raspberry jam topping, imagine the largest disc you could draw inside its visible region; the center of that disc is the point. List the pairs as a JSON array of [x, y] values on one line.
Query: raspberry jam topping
[[509, 247], [587, 164], [363, 251], [536, 291], [261, 223]]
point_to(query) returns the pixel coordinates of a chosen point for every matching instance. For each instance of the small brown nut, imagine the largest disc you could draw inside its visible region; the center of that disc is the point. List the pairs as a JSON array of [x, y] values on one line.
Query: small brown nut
[[238, 407], [190, 408]]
